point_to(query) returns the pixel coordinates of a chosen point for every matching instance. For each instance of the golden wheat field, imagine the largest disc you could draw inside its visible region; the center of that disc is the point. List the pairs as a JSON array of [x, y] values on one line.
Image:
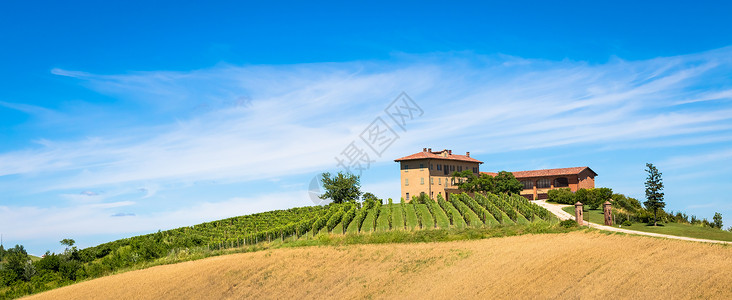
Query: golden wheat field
[[575, 265]]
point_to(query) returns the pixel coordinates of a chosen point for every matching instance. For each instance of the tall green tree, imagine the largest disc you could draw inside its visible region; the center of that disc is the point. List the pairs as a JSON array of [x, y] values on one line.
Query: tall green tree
[[505, 182], [599, 196], [654, 194], [370, 200], [15, 265], [717, 220], [344, 187], [469, 182]]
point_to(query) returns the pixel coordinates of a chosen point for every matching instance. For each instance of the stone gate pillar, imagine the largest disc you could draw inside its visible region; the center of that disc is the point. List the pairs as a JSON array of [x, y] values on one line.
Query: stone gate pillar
[[578, 214], [608, 216]]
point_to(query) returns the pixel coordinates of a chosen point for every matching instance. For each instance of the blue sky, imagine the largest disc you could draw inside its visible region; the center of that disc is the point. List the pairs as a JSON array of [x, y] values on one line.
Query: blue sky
[[122, 119]]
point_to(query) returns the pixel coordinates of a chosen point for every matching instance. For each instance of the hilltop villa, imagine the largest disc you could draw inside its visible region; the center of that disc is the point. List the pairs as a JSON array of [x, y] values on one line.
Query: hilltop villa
[[430, 173]]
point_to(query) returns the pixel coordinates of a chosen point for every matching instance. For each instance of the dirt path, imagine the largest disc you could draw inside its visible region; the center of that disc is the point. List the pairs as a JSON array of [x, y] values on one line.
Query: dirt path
[[556, 209]]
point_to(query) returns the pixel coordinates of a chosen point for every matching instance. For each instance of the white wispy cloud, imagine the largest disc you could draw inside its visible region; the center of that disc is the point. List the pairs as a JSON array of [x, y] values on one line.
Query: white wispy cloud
[[242, 123], [56, 223]]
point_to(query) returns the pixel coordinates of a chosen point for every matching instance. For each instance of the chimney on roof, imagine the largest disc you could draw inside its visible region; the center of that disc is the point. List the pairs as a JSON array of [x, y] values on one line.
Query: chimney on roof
[[449, 152], [429, 149], [467, 154], [424, 149]]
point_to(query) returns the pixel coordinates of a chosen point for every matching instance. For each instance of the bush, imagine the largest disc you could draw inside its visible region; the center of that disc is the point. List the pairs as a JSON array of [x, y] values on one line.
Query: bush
[[568, 223], [583, 196], [599, 196], [628, 203], [627, 223], [562, 196]]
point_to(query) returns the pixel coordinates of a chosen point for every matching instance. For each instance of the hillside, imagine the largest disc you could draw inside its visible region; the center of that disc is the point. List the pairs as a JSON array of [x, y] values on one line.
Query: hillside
[[462, 217], [570, 265]]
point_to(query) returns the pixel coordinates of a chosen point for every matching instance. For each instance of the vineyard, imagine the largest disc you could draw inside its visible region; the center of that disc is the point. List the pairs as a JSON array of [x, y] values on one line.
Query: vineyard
[[300, 225], [460, 211]]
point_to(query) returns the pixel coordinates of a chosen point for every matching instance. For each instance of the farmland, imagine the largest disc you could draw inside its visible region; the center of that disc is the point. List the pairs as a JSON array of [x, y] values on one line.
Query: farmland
[[371, 223], [578, 264]]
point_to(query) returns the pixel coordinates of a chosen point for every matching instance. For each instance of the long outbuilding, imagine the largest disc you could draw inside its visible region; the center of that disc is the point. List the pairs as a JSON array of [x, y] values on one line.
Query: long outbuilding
[[430, 173]]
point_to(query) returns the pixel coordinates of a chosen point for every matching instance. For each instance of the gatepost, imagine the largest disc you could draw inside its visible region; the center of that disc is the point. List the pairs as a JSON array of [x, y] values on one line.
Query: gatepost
[[578, 213], [608, 215]]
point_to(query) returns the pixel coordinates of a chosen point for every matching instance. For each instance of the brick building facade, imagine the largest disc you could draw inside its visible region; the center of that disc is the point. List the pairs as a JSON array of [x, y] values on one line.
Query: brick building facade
[[430, 173]]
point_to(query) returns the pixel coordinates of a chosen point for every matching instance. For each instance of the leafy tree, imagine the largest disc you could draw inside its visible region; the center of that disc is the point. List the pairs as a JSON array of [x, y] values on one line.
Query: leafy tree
[[68, 242], [628, 203], [561, 196], [471, 183], [583, 196], [654, 194], [505, 182], [2, 252], [370, 200], [598, 196], [344, 187], [717, 220], [16, 261]]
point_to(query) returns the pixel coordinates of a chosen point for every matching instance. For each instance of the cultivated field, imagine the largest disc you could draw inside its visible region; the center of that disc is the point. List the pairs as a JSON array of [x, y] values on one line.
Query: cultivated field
[[572, 265]]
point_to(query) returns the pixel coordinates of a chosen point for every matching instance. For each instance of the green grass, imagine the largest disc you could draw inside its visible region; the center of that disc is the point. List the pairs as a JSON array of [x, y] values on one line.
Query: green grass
[[677, 229], [457, 218], [382, 223], [369, 221], [427, 220], [411, 217], [473, 218], [353, 227], [442, 220], [507, 220], [520, 219], [338, 228], [397, 217], [491, 221]]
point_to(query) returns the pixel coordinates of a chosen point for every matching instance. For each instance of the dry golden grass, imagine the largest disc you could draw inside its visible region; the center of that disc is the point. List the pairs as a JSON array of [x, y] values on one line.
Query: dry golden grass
[[574, 265]]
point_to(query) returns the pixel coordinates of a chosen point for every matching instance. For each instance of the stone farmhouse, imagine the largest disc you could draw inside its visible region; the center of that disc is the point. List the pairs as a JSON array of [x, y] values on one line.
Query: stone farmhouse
[[430, 173]]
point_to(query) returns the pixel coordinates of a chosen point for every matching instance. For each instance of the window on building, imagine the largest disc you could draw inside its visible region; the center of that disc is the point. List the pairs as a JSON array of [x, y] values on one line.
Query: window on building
[[439, 167], [405, 167], [407, 197], [432, 167], [432, 180], [460, 168], [561, 182], [475, 170], [528, 184], [439, 181], [421, 166], [406, 181], [421, 180], [432, 194], [452, 168], [543, 183]]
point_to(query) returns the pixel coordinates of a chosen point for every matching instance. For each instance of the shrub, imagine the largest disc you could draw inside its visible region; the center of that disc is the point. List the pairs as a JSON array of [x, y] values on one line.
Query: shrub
[[628, 203], [568, 223], [562, 196], [627, 223], [598, 196], [583, 196]]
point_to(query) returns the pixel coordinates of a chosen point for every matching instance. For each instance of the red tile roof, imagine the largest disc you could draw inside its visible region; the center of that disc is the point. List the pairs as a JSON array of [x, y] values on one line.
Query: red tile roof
[[438, 155], [546, 172]]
